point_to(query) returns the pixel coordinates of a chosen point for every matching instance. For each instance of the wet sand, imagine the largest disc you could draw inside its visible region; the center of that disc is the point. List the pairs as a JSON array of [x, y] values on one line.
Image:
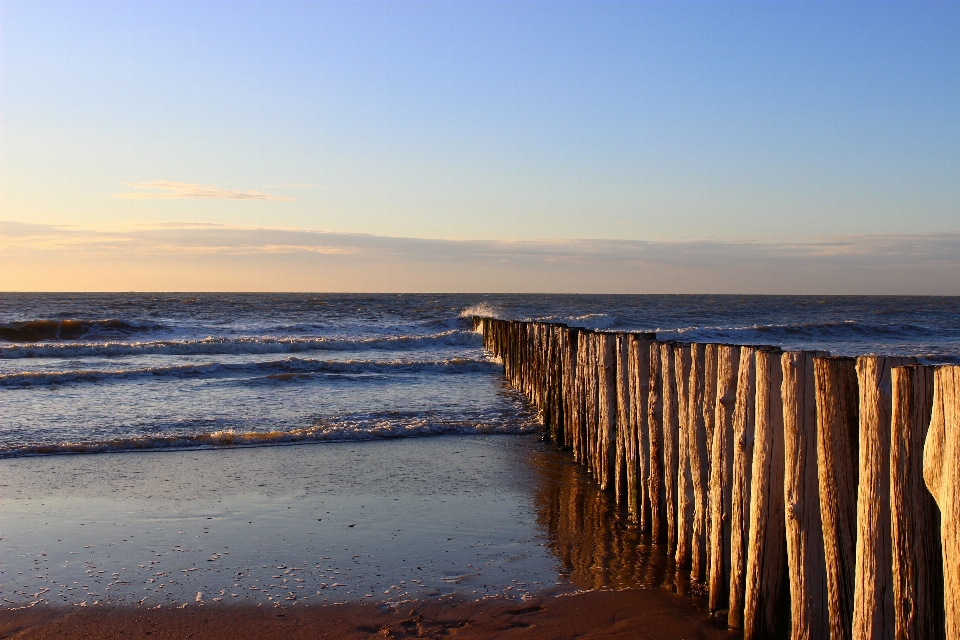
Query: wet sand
[[481, 536], [633, 613]]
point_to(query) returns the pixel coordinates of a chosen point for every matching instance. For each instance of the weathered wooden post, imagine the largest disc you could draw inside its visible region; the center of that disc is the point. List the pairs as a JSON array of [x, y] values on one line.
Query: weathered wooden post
[[837, 465], [699, 460], [810, 616], [608, 409], [571, 394], [685, 496], [873, 615], [709, 409], [766, 580], [658, 499], [580, 448], [639, 362], [744, 421], [721, 474], [671, 440], [941, 472], [625, 475], [590, 376], [914, 517]]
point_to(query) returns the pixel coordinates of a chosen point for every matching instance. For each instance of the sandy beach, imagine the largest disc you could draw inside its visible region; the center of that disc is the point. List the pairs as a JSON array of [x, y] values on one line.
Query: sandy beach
[[631, 613]]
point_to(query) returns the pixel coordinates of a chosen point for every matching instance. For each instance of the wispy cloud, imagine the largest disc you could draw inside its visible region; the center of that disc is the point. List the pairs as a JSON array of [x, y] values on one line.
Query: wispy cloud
[[169, 190], [198, 256]]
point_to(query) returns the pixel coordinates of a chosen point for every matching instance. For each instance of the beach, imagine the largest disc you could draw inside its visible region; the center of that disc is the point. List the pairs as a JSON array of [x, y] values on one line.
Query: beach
[[632, 613], [481, 535], [341, 462]]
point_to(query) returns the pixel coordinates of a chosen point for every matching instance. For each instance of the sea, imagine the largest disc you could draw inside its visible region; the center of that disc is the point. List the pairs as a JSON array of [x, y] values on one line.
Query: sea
[[88, 373], [170, 448]]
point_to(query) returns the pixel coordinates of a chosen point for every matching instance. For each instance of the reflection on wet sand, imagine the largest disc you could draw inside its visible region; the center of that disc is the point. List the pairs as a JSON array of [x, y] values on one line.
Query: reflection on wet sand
[[596, 544]]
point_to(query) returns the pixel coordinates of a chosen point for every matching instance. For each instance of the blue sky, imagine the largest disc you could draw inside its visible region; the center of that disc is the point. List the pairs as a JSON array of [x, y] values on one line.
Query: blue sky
[[735, 122]]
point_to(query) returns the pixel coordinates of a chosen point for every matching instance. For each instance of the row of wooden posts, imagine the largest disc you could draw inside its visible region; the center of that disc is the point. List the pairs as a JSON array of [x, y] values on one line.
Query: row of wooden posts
[[804, 493]]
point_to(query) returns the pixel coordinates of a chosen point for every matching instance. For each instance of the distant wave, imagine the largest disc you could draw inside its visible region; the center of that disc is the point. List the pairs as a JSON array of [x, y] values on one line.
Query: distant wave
[[350, 428], [848, 330], [44, 330], [248, 345], [288, 369], [589, 321]]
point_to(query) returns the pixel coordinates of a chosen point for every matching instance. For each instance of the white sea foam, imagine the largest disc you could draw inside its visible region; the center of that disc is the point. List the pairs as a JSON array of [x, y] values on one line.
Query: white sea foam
[[483, 310], [342, 430], [286, 369]]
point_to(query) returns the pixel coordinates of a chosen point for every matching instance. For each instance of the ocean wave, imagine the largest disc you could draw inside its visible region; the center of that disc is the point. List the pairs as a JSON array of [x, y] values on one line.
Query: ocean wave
[[482, 310], [347, 429], [70, 329], [587, 321], [288, 369], [246, 345], [848, 330]]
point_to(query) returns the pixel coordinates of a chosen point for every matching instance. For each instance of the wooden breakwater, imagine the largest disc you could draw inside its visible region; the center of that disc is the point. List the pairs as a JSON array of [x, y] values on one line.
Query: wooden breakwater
[[807, 496]]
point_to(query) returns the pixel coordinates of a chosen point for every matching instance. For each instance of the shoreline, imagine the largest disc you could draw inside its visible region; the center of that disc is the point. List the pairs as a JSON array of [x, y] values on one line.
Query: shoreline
[[628, 613]]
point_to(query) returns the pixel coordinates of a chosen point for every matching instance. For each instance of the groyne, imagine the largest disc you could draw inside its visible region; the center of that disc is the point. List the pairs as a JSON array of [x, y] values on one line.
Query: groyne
[[807, 496]]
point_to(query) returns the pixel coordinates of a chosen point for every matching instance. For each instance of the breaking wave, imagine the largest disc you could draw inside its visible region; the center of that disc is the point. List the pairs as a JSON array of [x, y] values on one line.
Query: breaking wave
[[44, 330], [246, 345], [482, 310], [808, 333], [287, 369], [346, 429]]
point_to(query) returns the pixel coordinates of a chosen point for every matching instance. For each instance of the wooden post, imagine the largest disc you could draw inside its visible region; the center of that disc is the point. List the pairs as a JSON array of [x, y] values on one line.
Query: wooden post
[[571, 409], [658, 501], [810, 616], [699, 460], [914, 517], [625, 475], [639, 362], [590, 396], [607, 437], [873, 595], [580, 448], [721, 474], [941, 472], [671, 440], [766, 580], [709, 410], [685, 495], [837, 465], [744, 421]]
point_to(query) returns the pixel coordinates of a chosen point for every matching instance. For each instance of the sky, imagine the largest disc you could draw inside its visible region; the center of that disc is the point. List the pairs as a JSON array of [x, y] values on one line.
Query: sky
[[696, 147]]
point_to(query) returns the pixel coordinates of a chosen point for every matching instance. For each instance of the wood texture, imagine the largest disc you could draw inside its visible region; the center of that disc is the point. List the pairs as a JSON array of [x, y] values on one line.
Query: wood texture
[[671, 440], [711, 352], [914, 517], [941, 472], [873, 616], [591, 382], [744, 421], [625, 475], [640, 391], [837, 463], [699, 457], [685, 496], [721, 475], [607, 412], [571, 400], [656, 483], [809, 614], [766, 581]]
